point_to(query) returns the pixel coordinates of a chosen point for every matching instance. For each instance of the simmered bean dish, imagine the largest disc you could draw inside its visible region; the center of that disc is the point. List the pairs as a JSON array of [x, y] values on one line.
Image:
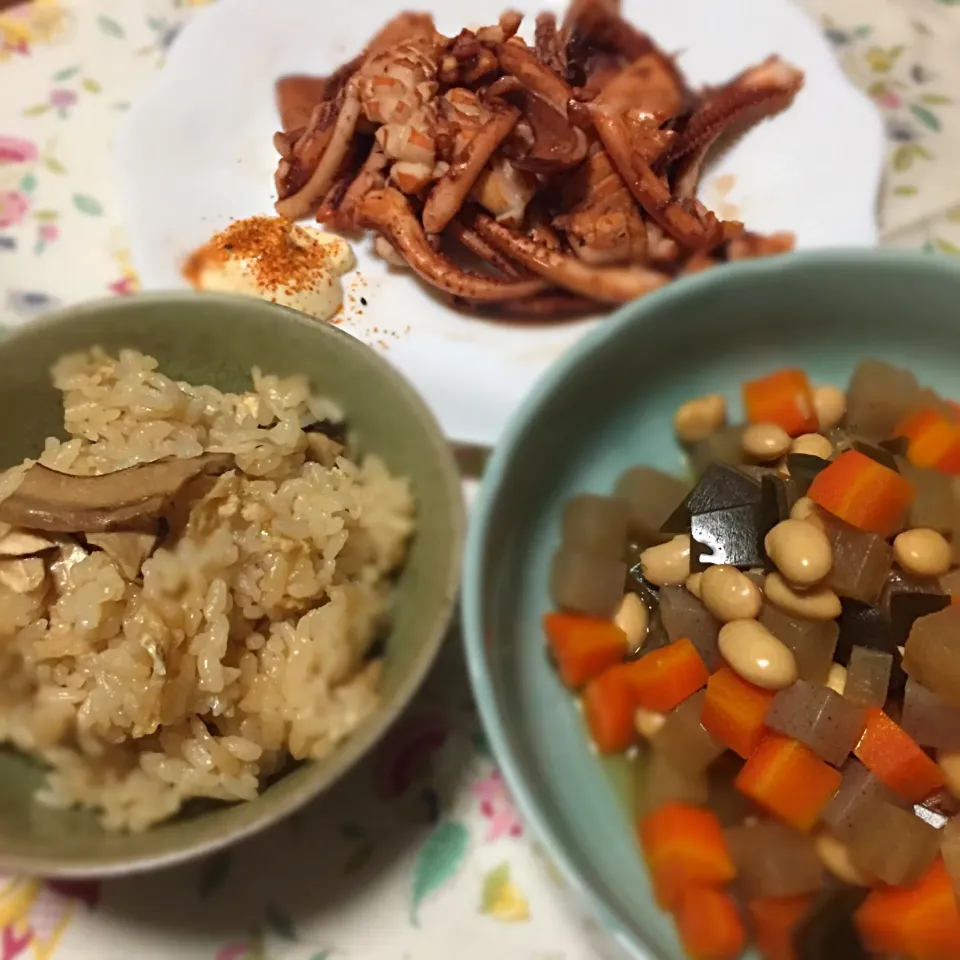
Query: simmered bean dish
[[775, 646]]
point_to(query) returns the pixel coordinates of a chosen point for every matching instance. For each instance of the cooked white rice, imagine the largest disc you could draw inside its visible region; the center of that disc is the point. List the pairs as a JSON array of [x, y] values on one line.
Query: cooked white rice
[[244, 640]]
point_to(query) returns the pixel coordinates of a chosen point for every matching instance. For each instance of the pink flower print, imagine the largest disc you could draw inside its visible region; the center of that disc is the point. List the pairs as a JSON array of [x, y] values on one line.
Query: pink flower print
[[62, 98], [16, 150], [14, 944], [123, 287], [13, 207], [889, 100], [49, 232], [497, 806]]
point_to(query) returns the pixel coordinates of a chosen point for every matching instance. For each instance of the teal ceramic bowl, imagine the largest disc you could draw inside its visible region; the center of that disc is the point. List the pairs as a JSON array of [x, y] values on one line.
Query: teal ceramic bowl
[[605, 406], [208, 339]]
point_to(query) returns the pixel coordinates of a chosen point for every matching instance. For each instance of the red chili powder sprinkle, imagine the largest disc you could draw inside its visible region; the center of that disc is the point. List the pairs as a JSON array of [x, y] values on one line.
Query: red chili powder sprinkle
[[277, 256]]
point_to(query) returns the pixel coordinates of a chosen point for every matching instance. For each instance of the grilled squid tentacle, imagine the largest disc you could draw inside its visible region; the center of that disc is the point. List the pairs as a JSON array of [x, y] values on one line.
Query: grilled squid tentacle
[[606, 284], [388, 212]]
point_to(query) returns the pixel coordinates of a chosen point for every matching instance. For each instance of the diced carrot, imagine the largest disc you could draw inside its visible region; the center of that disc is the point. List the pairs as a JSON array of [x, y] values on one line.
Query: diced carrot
[[950, 462], [783, 398], [709, 924], [609, 706], [583, 646], [864, 493], [683, 846], [774, 921], [733, 711], [788, 779], [919, 922], [933, 438], [666, 677], [894, 757], [955, 407]]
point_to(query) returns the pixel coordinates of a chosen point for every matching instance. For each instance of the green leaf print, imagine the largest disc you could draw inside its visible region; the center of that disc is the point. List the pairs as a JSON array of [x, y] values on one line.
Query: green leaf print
[[213, 872], [54, 165], [953, 214], [902, 158], [29, 183], [439, 859], [322, 955], [46, 216], [279, 922], [36, 110], [90, 85], [65, 74], [947, 246], [905, 191], [936, 99], [930, 120], [86, 204], [110, 27], [493, 885]]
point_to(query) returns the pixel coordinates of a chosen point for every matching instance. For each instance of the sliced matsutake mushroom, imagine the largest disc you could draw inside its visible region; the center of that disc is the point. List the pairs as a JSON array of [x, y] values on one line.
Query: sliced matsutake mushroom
[[127, 548], [605, 284], [64, 503], [24, 543], [388, 212]]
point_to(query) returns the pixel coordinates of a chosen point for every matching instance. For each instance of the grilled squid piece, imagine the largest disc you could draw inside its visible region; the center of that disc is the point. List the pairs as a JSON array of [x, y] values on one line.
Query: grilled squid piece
[[759, 92], [651, 191], [569, 167], [602, 222], [396, 89], [505, 191], [472, 241], [518, 60], [304, 201], [606, 284], [480, 131], [548, 306], [388, 212]]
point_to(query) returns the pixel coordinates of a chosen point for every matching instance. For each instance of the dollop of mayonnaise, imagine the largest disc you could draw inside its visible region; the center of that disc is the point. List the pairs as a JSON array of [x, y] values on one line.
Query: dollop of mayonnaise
[[276, 260]]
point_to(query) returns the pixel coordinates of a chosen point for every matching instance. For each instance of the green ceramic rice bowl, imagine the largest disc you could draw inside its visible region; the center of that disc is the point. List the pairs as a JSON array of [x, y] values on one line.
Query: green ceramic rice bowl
[[215, 340], [607, 405]]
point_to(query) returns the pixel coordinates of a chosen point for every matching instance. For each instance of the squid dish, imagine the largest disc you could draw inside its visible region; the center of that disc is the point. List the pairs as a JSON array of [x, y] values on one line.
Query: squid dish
[[544, 180]]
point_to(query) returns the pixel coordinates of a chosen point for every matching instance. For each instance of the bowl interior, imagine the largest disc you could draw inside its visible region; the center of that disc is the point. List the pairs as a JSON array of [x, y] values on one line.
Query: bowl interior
[[606, 406], [216, 340]]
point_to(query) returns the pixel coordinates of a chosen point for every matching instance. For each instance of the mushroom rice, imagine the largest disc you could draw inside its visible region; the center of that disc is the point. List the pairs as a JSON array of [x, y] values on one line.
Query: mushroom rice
[[191, 587]]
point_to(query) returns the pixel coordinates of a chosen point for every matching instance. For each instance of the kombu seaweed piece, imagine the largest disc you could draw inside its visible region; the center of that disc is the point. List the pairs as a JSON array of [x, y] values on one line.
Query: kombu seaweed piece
[[733, 536], [803, 468], [720, 487]]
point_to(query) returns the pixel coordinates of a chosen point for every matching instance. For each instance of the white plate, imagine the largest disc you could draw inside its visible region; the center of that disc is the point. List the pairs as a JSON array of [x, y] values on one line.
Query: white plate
[[195, 153]]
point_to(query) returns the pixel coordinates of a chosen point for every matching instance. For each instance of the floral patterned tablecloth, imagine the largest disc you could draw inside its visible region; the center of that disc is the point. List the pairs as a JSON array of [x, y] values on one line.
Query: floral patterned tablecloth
[[419, 853]]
